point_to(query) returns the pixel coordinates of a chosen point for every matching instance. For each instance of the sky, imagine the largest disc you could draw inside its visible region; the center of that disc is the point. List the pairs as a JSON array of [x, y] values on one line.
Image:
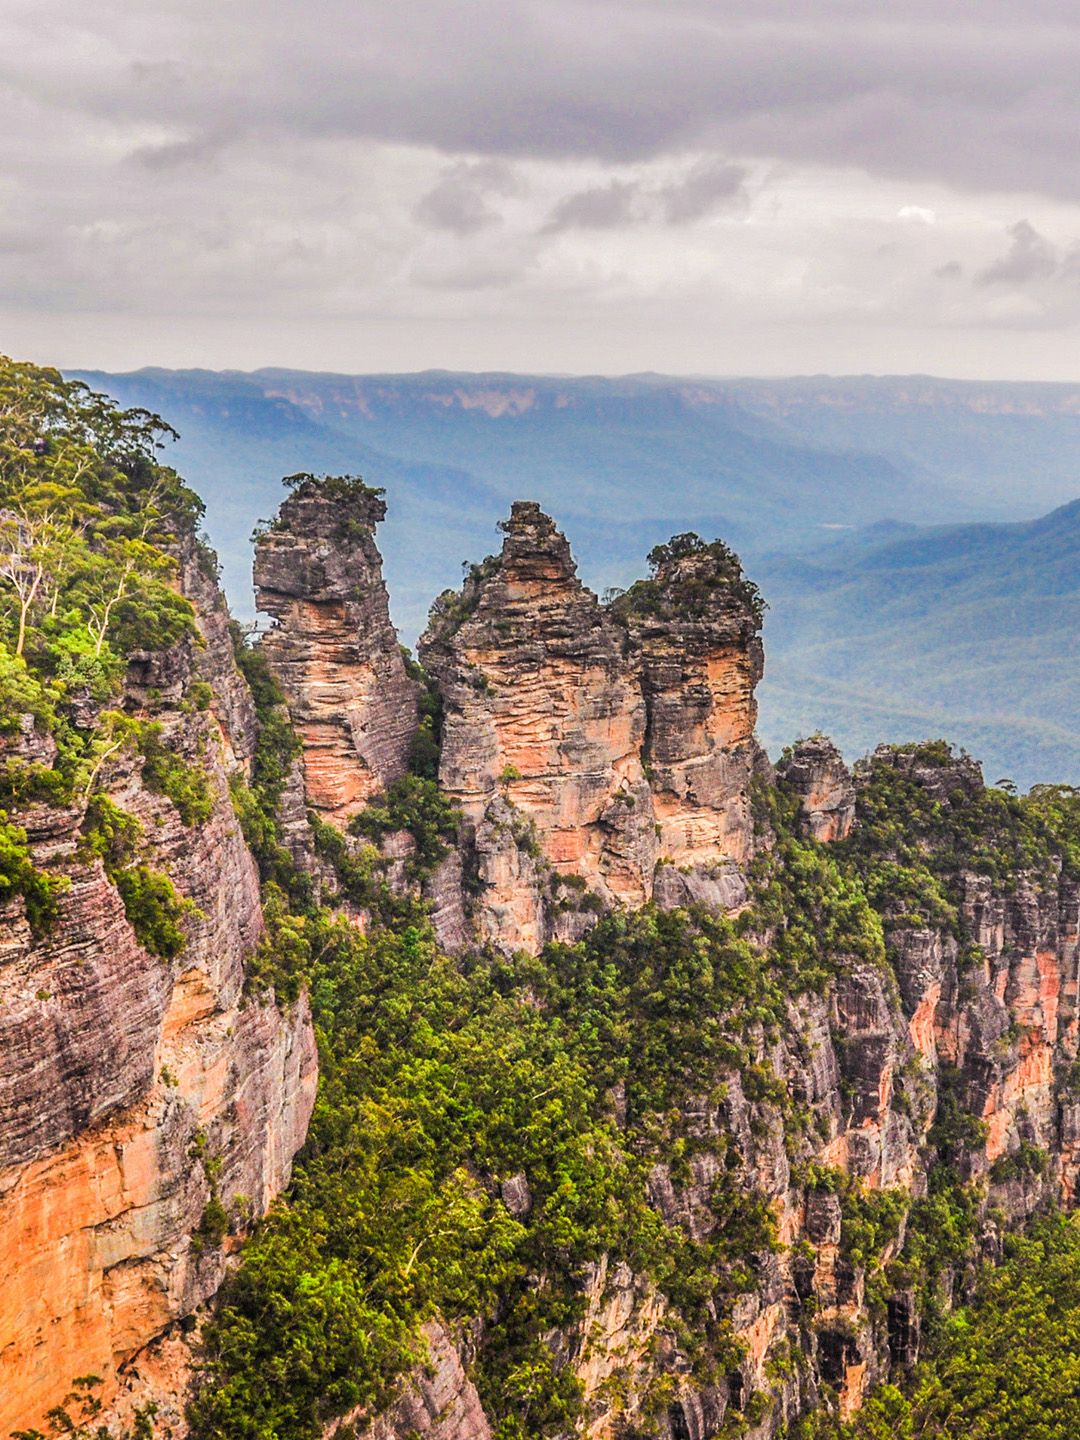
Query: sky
[[582, 186]]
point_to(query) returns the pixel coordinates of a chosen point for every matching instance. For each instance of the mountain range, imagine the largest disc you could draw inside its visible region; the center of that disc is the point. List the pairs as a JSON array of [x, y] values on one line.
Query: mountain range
[[892, 522]]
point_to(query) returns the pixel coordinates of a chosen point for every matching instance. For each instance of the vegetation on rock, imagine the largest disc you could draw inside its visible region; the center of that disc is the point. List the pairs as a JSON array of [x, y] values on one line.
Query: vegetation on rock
[[90, 524]]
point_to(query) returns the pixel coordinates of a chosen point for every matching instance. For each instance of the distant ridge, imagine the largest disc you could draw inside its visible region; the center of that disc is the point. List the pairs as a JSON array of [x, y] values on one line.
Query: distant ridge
[[891, 521]]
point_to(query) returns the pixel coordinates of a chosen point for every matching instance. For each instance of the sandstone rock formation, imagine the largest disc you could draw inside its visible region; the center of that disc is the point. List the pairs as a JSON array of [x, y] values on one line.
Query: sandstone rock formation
[[603, 756], [133, 1088], [333, 649], [437, 1402], [816, 773], [988, 1027], [609, 748], [543, 729]]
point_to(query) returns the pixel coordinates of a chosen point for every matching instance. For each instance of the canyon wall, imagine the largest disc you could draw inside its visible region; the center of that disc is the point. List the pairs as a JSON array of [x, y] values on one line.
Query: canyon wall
[[960, 1053], [603, 755], [136, 1089]]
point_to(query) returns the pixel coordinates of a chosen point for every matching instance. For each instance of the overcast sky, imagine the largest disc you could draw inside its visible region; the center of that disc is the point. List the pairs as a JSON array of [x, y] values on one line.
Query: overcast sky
[[705, 186]]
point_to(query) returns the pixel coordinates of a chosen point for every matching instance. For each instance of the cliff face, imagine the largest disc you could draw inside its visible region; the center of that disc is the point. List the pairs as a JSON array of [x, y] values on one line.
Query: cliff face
[[605, 748], [333, 649], [603, 756], [980, 1021], [134, 1089]]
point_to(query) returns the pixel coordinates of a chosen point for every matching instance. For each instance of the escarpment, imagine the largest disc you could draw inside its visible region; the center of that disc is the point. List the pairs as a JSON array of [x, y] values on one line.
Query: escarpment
[[907, 1053], [666, 1093], [150, 1107], [333, 648]]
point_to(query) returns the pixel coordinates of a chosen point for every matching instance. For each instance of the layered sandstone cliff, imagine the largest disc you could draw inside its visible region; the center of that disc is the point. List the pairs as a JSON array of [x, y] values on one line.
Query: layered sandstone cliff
[[543, 728], [975, 1016], [604, 756], [135, 1090], [333, 648]]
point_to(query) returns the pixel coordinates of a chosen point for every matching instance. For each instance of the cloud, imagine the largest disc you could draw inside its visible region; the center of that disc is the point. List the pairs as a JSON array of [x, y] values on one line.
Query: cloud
[[708, 185], [459, 201], [289, 176], [1030, 257], [602, 207], [915, 91]]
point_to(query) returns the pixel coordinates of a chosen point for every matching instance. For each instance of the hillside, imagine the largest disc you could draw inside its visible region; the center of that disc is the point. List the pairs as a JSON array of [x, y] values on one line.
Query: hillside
[[970, 631]]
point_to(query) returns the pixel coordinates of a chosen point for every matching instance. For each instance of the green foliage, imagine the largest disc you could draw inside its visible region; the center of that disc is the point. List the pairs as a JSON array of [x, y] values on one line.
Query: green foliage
[[913, 837], [871, 1221], [690, 578], [341, 489], [810, 906], [1026, 1159], [166, 773], [256, 806], [1006, 1367], [438, 1078], [955, 1129], [154, 910], [79, 1416], [452, 608], [425, 743], [88, 519], [89, 525], [20, 876], [213, 1223], [419, 807]]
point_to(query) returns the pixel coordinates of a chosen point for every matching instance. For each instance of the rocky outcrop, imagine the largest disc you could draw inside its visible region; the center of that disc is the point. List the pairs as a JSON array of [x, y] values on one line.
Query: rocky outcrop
[[543, 729], [605, 748], [814, 772], [699, 656], [602, 755], [136, 1089], [333, 649], [974, 1016]]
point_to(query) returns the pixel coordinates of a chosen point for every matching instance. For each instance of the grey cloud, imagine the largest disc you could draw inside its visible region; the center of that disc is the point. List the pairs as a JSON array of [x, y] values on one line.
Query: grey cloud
[[268, 165], [603, 207], [920, 90], [708, 185], [951, 270], [1030, 257], [460, 201]]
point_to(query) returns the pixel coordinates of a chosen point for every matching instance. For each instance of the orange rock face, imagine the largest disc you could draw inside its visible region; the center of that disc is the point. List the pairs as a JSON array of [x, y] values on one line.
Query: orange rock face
[[123, 1075]]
